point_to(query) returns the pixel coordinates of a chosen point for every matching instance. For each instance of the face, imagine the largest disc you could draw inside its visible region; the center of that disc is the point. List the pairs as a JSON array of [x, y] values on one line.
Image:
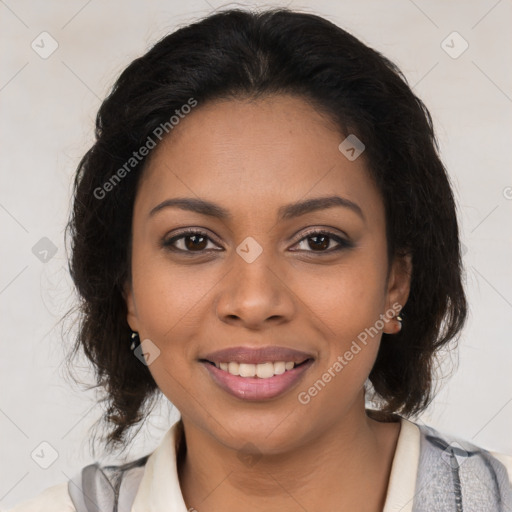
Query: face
[[262, 275]]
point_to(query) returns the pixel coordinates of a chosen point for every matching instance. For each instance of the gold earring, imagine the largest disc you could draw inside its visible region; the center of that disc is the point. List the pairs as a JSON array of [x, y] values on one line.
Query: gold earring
[[400, 320], [135, 340]]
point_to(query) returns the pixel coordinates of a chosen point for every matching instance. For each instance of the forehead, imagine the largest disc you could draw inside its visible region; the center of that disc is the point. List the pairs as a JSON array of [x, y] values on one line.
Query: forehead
[[246, 154]]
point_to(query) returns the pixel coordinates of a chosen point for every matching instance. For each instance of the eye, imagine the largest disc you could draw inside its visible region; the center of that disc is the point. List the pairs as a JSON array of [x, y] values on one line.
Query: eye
[[322, 240], [189, 241], [196, 241]]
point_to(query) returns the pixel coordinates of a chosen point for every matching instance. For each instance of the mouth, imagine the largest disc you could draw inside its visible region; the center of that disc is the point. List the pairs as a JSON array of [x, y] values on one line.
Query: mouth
[[257, 382], [264, 370]]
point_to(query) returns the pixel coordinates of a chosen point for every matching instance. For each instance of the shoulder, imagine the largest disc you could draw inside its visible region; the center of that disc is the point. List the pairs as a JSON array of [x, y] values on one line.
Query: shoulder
[[453, 447], [52, 499], [461, 468], [94, 484], [506, 460]]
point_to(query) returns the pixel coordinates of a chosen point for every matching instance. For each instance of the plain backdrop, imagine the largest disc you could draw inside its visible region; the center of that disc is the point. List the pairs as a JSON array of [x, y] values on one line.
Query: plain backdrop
[[48, 104]]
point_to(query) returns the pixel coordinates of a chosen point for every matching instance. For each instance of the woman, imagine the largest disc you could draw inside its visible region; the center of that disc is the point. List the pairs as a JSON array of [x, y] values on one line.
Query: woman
[[264, 232]]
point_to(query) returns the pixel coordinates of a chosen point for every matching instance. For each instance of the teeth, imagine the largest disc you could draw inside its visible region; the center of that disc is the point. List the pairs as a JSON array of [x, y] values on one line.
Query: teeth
[[247, 370], [280, 367], [233, 368], [262, 370]]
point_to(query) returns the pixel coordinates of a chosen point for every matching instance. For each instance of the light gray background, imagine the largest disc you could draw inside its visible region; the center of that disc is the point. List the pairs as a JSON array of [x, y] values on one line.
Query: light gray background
[[48, 108]]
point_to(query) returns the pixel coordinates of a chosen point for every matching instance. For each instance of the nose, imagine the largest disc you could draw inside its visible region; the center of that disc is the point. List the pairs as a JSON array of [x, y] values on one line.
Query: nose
[[255, 294]]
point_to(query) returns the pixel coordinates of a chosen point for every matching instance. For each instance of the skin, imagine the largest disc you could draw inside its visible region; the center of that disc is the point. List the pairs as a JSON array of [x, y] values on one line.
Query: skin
[[252, 157]]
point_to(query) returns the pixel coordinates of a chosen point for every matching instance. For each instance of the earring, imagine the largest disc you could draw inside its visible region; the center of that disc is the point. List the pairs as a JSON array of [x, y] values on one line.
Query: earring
[[400, 320], [135, 340]]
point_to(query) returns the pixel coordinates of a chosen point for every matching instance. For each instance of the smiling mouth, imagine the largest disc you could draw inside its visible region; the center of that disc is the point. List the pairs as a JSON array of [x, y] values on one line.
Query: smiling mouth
[[265, 370]]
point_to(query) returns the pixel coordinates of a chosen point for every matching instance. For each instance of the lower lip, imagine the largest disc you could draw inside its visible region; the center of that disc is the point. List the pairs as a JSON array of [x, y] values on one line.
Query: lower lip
[[254, 388]]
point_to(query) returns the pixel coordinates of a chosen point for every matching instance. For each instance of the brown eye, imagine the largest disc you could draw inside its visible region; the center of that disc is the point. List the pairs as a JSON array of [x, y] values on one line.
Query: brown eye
[[195, 242], [192, 241], [320, 241]]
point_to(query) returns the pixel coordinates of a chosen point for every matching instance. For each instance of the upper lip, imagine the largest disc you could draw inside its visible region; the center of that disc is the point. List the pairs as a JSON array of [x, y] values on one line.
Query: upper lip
[[257, 355]]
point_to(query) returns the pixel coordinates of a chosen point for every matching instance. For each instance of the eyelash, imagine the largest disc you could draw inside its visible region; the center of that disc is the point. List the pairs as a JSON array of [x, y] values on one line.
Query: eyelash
[[343, 244]]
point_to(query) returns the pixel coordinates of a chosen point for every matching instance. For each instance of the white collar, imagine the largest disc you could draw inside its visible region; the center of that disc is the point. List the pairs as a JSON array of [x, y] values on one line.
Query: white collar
[[404, 469], [160, 488]]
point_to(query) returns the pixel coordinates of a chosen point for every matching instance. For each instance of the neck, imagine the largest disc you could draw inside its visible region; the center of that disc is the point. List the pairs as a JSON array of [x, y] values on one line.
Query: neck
[[340, 467]]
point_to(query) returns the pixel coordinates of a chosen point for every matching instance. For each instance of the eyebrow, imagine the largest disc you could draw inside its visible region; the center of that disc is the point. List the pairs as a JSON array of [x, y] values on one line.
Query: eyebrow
[[204, 207]]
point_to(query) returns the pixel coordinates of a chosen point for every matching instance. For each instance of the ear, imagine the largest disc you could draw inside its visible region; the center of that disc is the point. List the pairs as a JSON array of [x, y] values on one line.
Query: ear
[[131, 316], [398, 288]]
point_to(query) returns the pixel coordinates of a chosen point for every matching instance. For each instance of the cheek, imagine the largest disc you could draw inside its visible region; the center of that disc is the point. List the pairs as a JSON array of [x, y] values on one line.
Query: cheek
[[349, 304], [170, 305], [347, 297], [346, 302], [170, 297]]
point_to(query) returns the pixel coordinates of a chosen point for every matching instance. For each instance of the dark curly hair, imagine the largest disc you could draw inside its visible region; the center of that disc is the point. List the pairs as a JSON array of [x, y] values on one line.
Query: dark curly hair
[[245, 54]]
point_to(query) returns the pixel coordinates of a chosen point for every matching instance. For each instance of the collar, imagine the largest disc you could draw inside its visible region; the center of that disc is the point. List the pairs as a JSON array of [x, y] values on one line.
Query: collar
[[404, 469], [160, 488]]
